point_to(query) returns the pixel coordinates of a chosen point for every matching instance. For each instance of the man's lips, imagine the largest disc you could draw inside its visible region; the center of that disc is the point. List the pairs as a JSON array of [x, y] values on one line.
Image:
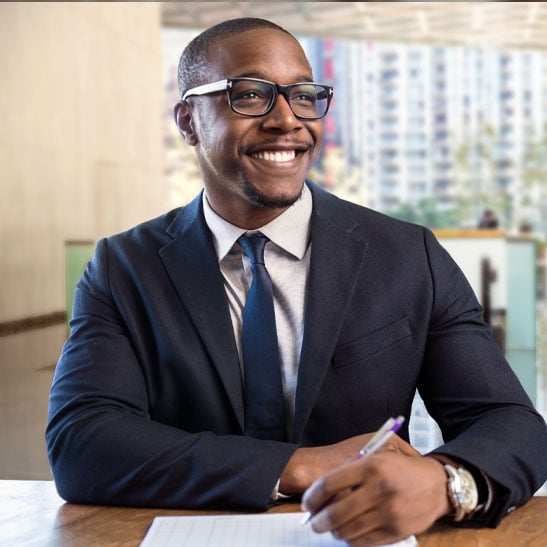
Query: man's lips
[[278, 152]]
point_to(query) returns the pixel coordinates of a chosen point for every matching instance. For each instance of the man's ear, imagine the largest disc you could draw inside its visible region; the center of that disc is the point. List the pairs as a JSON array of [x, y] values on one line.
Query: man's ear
[[185, 122]]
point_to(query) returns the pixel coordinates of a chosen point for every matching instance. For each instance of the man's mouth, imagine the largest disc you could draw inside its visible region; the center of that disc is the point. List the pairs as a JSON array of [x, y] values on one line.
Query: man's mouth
[[277, 156]]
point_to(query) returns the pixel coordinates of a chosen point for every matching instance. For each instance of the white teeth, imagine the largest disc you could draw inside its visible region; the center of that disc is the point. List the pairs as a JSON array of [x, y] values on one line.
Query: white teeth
[[278, 156]]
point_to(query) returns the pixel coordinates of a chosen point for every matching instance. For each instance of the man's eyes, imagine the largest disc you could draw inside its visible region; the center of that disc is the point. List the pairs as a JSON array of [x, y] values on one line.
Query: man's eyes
[[248, 94], [305, 97]]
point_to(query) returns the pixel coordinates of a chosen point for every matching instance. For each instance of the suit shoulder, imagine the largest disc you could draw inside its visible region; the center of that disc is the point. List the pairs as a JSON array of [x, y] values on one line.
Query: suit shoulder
[[366, 220], [382, 219], [147, 231]]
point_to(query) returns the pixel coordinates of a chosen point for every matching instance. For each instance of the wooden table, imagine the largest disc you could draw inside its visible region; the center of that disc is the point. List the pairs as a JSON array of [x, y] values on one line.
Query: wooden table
[[32, 514]]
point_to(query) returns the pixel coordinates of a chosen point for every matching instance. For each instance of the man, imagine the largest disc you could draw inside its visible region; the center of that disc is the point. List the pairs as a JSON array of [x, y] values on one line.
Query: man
[[488, 220], [149, 402]]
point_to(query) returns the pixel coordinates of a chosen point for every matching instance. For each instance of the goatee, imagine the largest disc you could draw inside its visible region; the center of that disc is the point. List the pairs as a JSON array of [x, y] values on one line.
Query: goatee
[[268, 202]]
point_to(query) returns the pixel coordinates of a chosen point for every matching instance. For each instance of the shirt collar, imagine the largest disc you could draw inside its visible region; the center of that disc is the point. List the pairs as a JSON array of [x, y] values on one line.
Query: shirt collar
[[290, 230]]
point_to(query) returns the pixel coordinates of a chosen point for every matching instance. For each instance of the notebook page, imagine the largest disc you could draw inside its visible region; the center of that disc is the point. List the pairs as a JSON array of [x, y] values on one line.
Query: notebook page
[[264, 530]]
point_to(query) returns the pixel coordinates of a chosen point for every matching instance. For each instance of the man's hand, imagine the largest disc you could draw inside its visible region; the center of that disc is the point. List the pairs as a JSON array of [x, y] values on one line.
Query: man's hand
[[310, 463], [381, 498]]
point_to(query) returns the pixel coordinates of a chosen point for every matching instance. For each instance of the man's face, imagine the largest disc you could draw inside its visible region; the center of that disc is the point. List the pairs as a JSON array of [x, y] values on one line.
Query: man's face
[[254, 167]]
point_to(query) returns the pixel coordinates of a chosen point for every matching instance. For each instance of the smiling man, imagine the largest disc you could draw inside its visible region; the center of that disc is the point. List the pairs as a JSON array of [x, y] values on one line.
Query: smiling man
[[242, 348]]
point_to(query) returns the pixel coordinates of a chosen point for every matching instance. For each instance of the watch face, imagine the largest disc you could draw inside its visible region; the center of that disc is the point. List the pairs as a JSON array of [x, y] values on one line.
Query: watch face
[[469, 493]]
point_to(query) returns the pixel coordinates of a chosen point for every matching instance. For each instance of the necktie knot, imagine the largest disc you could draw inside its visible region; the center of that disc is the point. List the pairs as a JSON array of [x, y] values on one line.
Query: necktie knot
[[253, 246]]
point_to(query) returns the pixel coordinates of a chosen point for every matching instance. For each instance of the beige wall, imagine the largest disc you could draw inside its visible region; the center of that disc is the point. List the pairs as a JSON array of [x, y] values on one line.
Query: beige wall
[[80, 137], [80, 157]]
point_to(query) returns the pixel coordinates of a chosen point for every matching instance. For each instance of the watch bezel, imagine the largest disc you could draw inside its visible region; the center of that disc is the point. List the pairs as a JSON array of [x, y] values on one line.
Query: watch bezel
[[462, 491]]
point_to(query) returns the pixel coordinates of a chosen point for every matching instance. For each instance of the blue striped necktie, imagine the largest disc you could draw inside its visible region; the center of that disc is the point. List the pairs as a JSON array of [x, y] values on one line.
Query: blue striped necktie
[[264, 400]]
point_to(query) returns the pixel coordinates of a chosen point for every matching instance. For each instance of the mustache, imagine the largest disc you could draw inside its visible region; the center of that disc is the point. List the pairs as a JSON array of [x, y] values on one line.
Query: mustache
[[276, 144]]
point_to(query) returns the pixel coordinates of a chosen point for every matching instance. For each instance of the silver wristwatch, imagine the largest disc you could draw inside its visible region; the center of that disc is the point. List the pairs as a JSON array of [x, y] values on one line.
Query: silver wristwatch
[[462, 491]]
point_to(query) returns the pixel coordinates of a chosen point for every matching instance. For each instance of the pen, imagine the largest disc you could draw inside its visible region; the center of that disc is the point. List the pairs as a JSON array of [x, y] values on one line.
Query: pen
[[390, 427]]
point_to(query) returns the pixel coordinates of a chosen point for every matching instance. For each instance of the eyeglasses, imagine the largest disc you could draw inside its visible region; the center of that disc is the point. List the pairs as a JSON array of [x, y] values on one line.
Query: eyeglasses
[[254, 97]]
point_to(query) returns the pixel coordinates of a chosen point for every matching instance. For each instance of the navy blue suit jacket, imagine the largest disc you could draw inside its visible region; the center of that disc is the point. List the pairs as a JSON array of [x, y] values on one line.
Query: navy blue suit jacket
[[146, 407]]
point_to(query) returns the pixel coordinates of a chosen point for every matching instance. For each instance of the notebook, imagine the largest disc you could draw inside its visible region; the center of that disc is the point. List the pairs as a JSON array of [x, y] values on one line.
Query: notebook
[[263, 530]]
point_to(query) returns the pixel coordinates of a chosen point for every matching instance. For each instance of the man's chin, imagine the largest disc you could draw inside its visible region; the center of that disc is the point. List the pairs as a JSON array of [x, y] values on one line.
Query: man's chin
[[272, 201]]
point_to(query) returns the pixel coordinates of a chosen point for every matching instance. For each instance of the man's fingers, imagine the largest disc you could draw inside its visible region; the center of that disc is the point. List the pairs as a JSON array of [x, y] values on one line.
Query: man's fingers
[[334, 483], [359, 518], [344, 508]]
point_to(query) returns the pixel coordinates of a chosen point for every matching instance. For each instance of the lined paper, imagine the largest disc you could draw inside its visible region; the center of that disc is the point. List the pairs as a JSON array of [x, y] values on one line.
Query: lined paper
[[264, 530]]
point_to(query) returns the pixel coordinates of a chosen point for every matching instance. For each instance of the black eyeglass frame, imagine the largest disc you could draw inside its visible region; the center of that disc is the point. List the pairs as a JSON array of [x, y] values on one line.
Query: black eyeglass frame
[[227, 85]]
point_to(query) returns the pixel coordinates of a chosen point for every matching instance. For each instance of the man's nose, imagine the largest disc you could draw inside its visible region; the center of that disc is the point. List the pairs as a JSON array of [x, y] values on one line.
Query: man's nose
[[281, 116]]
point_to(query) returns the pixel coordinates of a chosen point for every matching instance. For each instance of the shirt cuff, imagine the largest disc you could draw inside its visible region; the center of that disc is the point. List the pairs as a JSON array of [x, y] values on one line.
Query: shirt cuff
[[276, 495]]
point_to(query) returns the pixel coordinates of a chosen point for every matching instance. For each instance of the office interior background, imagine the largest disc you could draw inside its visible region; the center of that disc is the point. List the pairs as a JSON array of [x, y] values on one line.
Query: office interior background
[[440, 113]]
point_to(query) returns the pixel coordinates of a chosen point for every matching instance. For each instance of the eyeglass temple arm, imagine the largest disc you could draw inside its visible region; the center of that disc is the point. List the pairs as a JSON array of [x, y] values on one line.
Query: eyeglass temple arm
[[327, 93], [221, 85]]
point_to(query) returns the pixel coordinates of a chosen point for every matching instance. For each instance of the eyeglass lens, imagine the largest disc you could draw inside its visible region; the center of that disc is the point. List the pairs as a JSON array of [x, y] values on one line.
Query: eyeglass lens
[[255, 98]]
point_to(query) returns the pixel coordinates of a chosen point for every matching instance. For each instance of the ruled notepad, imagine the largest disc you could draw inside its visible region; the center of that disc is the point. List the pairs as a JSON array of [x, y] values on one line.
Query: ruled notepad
[[264, 530]]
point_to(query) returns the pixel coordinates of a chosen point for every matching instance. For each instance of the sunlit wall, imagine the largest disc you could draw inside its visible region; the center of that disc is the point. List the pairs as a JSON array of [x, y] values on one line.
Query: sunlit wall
[[81, 145]]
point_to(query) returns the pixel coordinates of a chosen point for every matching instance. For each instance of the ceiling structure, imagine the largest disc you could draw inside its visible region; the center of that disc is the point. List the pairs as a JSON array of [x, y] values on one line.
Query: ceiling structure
[[505, 25]]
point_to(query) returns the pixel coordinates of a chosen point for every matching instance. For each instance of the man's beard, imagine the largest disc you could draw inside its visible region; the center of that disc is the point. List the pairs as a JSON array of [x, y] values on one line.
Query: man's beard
[[268, 202]]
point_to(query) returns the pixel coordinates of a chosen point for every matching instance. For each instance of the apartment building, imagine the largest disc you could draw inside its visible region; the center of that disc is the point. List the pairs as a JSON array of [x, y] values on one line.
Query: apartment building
[[437, 122]]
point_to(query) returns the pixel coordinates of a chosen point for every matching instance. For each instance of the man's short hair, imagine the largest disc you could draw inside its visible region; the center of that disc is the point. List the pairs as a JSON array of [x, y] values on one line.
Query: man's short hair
[[193, 64]]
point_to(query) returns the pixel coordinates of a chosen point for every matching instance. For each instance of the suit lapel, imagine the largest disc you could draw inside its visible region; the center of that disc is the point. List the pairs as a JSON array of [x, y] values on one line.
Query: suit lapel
[[336, 258], [192, 265]]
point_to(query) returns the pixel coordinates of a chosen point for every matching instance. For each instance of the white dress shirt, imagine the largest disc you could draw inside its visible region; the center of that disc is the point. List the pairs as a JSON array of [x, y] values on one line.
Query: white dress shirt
[[287, 259]]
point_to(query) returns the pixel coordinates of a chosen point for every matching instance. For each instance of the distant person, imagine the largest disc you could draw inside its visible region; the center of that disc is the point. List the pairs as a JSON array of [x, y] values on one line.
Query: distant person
[[488, 220], [162, 398], [526, 228]]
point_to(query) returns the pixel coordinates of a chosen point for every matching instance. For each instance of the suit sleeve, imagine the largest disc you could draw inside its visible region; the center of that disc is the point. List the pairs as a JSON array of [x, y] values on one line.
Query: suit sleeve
[[486, 418], [103, 446]]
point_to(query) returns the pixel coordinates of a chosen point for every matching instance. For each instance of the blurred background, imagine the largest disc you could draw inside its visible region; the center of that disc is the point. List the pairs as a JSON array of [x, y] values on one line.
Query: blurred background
[[439, 118]]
